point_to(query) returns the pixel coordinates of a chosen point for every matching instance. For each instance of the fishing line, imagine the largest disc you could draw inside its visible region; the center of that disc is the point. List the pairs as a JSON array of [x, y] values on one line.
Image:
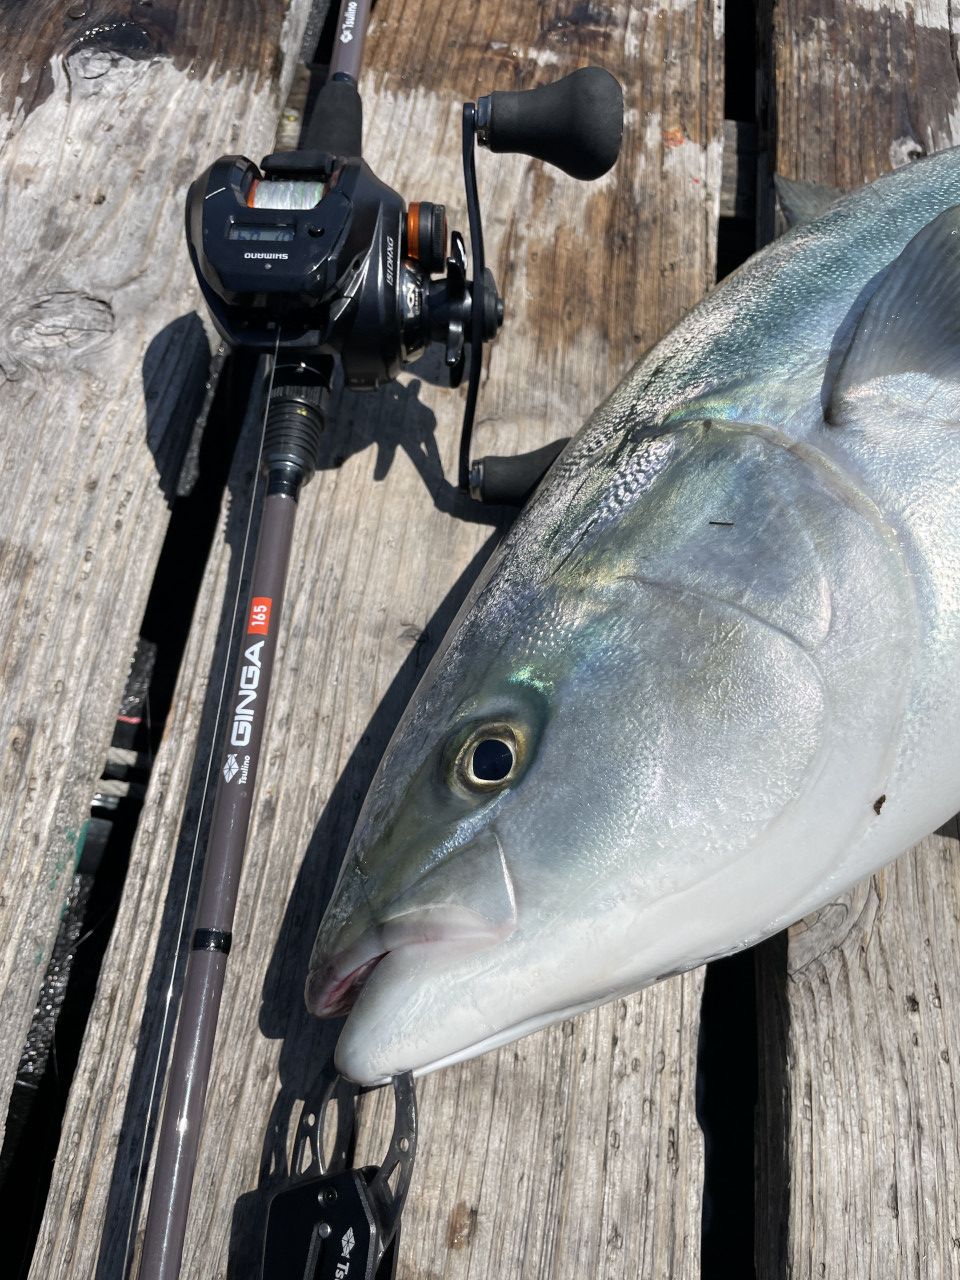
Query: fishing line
[[181, 928]]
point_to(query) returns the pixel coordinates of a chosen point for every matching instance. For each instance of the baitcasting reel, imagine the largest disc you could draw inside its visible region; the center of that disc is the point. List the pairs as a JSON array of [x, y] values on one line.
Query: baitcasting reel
[[313, 257]]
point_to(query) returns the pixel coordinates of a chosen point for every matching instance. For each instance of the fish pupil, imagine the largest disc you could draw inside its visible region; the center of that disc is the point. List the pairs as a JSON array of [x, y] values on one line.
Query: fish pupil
[[492, 760]]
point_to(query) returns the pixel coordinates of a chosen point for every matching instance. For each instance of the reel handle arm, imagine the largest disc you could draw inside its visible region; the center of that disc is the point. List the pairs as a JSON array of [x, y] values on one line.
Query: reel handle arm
[[575, 123]]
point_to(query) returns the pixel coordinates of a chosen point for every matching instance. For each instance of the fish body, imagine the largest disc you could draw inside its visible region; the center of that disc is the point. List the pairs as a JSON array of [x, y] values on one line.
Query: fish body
[[707, 681]]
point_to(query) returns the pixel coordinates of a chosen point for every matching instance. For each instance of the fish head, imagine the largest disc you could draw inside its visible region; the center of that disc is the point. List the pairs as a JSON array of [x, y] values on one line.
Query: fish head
[[438, 879], [478, 827], [560, 768]]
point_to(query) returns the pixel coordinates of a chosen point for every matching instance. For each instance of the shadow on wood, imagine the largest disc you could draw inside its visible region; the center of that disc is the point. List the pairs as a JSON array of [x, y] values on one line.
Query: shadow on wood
[[396, 418], [176, 380]]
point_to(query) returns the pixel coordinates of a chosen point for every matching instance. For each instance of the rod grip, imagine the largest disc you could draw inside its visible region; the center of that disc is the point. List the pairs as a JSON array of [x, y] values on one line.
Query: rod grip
[[575, 123], [336, 122]]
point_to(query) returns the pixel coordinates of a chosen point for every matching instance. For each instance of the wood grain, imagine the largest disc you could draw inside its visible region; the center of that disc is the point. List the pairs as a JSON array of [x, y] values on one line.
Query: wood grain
[[858, 1153], [576, 1151], [861, 1106], [103, 363], [859, 90]]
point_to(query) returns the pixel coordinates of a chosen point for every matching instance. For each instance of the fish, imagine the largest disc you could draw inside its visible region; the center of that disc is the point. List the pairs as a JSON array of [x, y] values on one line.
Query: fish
[[706, 682]]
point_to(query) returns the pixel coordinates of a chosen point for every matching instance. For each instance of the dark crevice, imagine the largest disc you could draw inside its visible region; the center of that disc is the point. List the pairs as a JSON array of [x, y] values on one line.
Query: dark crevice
[[743, 1168], [773, 1109], [104, 845], [736, 241], [726, 1102], [738, 236]]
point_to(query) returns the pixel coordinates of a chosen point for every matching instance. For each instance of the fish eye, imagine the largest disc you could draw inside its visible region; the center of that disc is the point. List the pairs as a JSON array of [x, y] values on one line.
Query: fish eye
[[489, 759], [492, 759]]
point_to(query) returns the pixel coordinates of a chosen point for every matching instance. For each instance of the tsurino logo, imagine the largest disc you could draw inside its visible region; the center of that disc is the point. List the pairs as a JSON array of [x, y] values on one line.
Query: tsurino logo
[[342, 1269], [349, 20]]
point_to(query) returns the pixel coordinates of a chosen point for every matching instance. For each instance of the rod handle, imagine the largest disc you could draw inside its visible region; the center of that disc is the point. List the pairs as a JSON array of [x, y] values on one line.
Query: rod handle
[[336, 122], [575, 123]]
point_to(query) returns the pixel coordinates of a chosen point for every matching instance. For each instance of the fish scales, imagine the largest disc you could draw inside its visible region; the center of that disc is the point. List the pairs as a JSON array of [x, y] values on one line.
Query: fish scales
[[727, 623]]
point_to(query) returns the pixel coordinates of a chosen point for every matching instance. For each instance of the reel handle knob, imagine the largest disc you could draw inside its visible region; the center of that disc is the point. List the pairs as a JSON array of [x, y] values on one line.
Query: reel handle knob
[[575, 123], [510, 481]]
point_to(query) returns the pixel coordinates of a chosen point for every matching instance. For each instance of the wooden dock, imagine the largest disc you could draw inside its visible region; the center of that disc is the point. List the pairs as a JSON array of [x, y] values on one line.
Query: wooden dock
[[575, 1152]]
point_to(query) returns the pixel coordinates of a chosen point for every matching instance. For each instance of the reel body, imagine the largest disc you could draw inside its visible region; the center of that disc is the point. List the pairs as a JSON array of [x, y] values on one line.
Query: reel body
[[330, 260]]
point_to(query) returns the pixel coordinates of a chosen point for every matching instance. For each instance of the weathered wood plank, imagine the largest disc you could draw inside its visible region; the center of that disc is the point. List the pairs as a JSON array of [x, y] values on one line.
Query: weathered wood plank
[[860, 1025], [107, 113], [860, 91], [860, 1102], [576, 1151]]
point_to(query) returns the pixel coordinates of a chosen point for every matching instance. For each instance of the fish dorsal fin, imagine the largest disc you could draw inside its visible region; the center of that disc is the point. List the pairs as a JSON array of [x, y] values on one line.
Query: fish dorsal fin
[[801, 202], [906, 344]]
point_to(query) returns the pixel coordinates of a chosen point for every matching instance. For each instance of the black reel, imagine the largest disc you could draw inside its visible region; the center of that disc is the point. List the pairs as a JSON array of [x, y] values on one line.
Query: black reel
[[333, 263], [311, 255]]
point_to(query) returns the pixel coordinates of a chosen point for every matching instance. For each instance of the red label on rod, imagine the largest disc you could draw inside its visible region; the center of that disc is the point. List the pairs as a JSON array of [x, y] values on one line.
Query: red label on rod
[[259, 623]]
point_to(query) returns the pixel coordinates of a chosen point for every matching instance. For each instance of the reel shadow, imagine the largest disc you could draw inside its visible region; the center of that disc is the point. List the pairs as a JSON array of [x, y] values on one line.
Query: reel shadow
[[390, 419], [308, 1043], [178, 392]]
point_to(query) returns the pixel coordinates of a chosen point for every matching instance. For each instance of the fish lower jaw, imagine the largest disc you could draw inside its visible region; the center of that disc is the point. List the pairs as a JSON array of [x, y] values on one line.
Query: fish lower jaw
[[354, 1064], [334, 987]]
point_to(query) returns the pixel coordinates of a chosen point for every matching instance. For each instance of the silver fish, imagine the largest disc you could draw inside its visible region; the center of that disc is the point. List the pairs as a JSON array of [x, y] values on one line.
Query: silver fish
[[708, 680]]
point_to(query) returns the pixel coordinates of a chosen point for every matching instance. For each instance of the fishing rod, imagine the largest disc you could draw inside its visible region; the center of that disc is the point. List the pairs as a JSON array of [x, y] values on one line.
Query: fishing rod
[[312, 261]]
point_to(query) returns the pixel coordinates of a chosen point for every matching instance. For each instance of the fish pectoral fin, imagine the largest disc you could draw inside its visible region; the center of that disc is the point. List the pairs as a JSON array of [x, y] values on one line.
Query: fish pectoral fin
[[906, 344], [470, 891], [802, 202]]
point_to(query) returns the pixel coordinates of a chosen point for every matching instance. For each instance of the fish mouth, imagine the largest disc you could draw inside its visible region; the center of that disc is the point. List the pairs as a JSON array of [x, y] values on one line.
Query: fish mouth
[[335, 983], [330, 995], [466, 903]]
